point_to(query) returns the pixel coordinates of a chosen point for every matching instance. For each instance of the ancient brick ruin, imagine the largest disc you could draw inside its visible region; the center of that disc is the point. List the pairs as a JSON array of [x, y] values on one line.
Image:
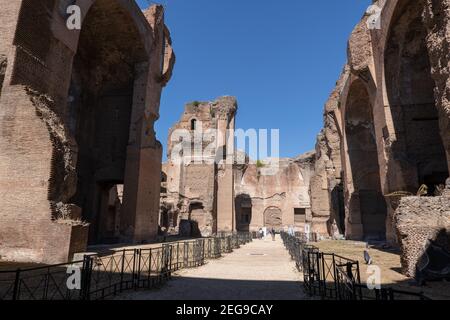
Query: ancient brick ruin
[[387, 127], [80, 163], [276, 200], [210, 196], [198, 194], [77, 110]]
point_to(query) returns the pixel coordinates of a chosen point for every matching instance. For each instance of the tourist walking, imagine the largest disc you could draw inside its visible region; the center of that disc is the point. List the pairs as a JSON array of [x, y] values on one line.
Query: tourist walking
[[260, 233], [273, 234]]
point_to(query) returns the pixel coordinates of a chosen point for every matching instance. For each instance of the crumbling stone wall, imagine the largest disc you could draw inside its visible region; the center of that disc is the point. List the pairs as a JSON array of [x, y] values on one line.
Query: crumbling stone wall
[[401, 66], [41, 220], [326, 189], [280, 200], [418, 220], [436, 18], [198, 190]]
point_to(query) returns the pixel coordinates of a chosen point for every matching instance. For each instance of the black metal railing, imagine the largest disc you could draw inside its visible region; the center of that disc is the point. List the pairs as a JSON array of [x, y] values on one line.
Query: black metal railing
[[98, 277], [330, 276]]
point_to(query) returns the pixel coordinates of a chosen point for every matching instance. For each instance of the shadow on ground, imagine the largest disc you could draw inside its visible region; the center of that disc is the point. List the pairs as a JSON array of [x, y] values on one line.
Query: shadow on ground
[[182, 288]]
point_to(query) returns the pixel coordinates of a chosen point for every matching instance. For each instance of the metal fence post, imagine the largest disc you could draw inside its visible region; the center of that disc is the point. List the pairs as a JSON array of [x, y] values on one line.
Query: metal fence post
[[358, 279], [335, 276], [86, 274], [122, 270], [185, 255], [322, 275], [178, 256], [16, 285], [46, 284], [138, 253]]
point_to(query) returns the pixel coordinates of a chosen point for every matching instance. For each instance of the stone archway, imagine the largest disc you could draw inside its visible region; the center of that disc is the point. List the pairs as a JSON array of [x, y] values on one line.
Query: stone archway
[[366, 203], [243, 212], [273, 218], [62, 86], [101, 105], [418, 151]]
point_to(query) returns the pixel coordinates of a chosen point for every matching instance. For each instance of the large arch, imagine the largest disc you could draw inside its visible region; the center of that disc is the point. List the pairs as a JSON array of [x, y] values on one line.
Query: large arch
[[273, 218], [57, 91], [418, 152], [101, 98], [367, 207], [243, 212]]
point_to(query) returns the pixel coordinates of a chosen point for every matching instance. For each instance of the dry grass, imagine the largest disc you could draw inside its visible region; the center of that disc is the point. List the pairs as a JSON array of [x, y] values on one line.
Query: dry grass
[[389, 262]]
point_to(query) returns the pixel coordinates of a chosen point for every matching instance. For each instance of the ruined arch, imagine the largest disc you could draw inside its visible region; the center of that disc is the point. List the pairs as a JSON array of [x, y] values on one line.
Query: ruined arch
[[194, 124], [102, 99], [243, 212], [40, 108], [367, 207], [417, 152], [273, 218]]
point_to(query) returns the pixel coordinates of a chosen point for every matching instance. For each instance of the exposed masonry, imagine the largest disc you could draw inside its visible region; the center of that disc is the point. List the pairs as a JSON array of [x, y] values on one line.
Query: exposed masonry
[[386, 130], [74, 172], [433, 214], [63, 178], [197, 198], [276, 201], [55, 206], [191, 198]]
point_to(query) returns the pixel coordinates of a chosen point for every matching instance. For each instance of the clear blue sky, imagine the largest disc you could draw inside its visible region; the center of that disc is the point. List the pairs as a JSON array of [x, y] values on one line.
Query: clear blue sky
[[281, 59]]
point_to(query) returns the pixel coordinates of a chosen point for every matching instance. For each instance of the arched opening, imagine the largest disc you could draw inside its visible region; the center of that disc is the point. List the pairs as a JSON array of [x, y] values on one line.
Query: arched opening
[[338, 207], [418, 148], [196, 218], [273, 218], [101, 103], [243, 212], [163, 184], [367, 203], [193, 124]]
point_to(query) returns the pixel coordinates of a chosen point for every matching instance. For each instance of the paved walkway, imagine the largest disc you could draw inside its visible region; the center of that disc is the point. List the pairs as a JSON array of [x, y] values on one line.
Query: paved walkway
[[261, 270]]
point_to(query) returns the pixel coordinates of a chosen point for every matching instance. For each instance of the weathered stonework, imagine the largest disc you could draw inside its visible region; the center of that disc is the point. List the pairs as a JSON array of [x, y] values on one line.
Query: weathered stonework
[[77, 109], [200, 197], [391, 120], [198, 194], [326, 189], [280, 200], [433, 213]]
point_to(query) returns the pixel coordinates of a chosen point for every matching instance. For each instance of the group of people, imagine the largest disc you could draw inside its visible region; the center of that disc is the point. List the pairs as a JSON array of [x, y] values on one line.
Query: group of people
[[271, 231]]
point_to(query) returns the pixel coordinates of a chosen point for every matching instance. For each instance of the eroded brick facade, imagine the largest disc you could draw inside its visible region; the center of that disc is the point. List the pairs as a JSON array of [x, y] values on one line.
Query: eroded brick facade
[[387, 128], [77, 109]]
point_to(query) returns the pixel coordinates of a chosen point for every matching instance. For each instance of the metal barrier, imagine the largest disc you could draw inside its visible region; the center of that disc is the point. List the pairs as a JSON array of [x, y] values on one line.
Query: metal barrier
[[330, 276], [104, 276]]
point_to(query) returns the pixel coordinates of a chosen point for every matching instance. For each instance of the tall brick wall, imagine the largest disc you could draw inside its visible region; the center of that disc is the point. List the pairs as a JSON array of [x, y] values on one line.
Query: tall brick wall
[[417, 220], [38, 151]]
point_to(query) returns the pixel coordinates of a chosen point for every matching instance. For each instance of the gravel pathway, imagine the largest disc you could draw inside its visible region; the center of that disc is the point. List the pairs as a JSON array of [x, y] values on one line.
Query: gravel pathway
[[261, 270]]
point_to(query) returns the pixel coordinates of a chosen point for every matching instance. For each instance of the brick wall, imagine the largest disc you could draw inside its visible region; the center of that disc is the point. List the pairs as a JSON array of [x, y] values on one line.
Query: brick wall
[[38, 153], [417, 220]]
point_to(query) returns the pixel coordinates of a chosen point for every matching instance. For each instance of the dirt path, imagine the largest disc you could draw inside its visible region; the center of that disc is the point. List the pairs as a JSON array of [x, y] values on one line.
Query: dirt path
[[261, 270]]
